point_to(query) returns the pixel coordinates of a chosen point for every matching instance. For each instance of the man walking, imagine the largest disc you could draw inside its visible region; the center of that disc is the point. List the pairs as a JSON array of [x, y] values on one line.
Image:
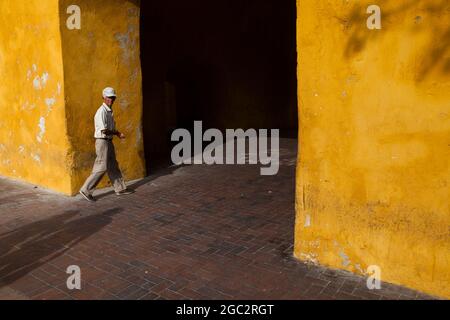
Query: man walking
[[105, 129]]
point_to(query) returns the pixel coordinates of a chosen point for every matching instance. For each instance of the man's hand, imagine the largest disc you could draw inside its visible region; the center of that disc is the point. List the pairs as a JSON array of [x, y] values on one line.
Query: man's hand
[[114, 133]]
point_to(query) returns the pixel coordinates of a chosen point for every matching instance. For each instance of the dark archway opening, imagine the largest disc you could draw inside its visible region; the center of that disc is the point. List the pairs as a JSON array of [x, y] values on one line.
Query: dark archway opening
[[231, 64]]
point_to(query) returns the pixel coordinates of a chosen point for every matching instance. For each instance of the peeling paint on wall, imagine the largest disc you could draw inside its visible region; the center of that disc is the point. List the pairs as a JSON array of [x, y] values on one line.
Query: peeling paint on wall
[[37, 83], [307, 221], [345, 260], [50, 101], [44, 79], [41, 126], [309, 258], [138, 135], [36, 157], [127, 41]]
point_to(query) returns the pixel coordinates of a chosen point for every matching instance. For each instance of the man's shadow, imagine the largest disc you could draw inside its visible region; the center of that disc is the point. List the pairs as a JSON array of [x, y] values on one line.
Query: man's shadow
[[134, 186], [29, 247]]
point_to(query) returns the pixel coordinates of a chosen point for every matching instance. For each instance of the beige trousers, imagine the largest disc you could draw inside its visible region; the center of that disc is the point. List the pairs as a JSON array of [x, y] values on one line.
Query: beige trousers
[[105, 162]]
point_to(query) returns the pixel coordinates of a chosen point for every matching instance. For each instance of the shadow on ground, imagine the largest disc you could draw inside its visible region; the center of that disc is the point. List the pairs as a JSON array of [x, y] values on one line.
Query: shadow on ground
[[136, 185], [37, 243]]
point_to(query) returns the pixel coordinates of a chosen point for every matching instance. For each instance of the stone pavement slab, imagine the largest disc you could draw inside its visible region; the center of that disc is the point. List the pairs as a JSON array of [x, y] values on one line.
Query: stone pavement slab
[[189, 232]]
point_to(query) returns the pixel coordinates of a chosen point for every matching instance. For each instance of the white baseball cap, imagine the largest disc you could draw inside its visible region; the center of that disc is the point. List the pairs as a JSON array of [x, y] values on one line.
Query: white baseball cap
[[109, 92]]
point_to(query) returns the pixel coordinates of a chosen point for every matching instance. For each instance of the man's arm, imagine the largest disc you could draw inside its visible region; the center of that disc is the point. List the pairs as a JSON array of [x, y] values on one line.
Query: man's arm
[[101, 125], [111, 132], [114, 133]]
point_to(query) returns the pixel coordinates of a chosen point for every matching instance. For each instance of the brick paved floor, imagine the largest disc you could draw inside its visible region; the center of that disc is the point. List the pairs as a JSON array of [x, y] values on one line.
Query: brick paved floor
[[192, 232]]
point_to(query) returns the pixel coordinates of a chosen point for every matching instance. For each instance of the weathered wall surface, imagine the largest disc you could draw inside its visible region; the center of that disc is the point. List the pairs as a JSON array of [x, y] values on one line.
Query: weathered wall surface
[[104, 52], [372, 185], [33, 135]]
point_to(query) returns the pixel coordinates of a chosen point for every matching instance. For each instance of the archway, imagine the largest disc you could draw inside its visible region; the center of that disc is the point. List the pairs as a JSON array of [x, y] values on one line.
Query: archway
[[230, 64]]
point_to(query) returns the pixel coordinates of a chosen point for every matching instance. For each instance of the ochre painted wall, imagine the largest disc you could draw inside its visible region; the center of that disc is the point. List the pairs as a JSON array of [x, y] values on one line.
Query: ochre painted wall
[[372, 179], [104, 52], [50, 88], [33, 134]]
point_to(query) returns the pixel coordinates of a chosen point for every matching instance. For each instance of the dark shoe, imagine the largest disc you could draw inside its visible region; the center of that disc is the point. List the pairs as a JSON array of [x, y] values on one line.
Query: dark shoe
[[88, 197], [124, 192]]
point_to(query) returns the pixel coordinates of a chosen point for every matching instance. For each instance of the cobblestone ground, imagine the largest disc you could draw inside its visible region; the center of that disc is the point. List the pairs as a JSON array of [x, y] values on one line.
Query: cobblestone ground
[[191, 232]]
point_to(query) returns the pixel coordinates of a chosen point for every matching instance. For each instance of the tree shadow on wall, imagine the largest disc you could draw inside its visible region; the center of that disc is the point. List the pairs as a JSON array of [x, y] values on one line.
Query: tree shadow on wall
[[37, 243], [436, 53]]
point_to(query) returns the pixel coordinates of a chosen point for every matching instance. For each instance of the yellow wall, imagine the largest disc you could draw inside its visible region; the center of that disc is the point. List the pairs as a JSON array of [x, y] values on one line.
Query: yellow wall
[[50, 88], [33, 135], [372, 180], [104, 52]]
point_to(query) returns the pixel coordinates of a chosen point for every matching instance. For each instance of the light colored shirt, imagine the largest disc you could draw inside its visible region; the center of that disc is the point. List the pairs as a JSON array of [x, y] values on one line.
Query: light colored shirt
[[104, 119]]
